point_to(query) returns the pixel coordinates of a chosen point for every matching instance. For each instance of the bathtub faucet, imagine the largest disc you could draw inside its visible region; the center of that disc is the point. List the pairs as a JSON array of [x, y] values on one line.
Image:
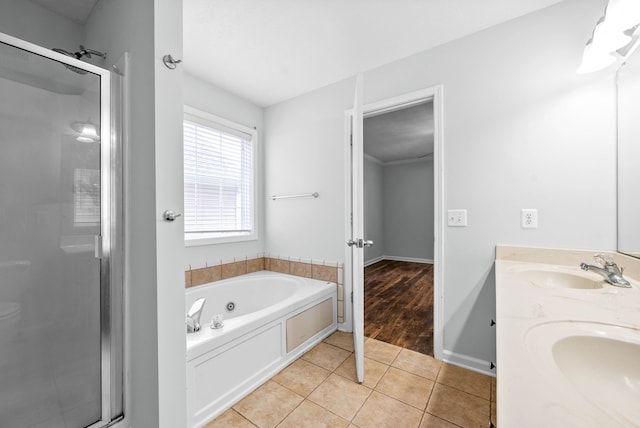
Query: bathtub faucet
[[193, 316], [609, 270]]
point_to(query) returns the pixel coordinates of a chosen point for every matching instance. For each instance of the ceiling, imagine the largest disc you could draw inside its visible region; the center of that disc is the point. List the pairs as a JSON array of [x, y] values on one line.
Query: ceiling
[[270, 51], [401, 134], [76, 10]]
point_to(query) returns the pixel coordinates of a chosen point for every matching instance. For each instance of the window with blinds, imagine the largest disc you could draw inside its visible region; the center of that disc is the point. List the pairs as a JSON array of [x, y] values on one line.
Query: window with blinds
[[218, 179], [86, 197]]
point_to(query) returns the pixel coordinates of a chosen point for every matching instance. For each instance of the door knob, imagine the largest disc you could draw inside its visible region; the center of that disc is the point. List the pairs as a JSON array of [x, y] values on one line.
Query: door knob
[[359, 243], [170, 215]]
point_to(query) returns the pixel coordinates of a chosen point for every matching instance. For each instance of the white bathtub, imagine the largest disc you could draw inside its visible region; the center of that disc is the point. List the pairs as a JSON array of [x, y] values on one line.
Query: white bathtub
[[276, 319]]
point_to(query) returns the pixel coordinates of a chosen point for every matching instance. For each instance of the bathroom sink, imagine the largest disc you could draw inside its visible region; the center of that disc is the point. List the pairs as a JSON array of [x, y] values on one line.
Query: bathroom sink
[[599, 361], [565, 278]]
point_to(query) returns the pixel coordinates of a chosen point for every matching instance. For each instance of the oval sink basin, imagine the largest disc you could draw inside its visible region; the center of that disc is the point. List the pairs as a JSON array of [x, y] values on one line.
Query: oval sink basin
[[599, 361], [562, 278]]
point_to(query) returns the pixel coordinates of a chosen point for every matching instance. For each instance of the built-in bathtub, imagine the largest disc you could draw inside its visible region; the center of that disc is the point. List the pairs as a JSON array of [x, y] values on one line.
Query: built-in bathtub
[[275, 319]]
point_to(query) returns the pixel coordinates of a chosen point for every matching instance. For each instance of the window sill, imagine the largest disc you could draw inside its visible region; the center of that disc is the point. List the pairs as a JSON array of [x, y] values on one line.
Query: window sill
[[194, 242]]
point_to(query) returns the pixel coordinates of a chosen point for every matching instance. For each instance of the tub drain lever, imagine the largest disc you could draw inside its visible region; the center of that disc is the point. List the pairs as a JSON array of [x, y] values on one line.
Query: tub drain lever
[[216, 322]]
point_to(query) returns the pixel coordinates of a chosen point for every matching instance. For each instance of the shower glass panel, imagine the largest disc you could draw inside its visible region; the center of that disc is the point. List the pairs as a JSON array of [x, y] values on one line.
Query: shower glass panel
[[55, 316]]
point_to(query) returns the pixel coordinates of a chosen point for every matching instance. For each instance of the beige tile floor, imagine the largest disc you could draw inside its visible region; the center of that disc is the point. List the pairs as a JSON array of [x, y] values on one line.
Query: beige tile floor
[[402, 389]]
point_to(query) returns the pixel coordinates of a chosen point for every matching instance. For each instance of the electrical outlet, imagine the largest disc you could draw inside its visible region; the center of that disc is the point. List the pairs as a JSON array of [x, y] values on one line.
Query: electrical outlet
[[457, 218], [529, 218]]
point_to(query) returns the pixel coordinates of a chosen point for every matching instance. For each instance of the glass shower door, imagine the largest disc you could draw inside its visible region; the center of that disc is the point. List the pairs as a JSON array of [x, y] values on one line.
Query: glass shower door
[[54, 264]]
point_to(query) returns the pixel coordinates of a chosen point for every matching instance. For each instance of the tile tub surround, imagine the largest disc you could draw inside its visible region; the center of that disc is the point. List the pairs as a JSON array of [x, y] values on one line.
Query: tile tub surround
[[402, 388], [223, 269], [529, 395]]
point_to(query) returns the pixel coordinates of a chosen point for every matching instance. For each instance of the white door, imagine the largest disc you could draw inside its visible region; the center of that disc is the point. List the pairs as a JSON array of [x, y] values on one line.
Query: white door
[[356, 241]]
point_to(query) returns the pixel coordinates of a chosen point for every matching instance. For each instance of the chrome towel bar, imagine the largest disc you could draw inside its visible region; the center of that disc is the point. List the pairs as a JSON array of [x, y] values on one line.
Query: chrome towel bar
[[305, 195]]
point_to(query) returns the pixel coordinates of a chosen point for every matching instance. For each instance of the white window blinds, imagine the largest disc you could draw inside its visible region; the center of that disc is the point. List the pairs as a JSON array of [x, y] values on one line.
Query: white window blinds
[[86, 197], [218, 180]]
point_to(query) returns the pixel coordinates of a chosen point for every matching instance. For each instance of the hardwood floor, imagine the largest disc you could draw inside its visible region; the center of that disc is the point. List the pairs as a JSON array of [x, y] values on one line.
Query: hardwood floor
[[398, 304]]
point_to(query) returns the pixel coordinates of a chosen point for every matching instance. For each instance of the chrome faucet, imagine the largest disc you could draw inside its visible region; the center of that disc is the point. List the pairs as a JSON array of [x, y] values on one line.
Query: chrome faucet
[[609, 270], [193, 316]]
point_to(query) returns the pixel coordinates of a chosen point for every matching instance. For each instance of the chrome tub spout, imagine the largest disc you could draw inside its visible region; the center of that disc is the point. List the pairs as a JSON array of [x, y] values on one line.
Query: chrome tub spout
[[193, 316]]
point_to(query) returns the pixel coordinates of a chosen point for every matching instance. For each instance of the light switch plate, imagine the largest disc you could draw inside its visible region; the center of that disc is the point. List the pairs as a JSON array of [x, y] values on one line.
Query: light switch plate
[[457, 218]]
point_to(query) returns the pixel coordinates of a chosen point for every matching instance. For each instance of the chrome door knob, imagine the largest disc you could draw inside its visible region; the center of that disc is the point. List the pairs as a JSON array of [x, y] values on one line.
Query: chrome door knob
[[170, 215], [359, 243]]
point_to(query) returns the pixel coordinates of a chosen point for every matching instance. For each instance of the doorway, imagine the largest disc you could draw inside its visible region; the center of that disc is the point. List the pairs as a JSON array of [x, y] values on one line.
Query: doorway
[[398, 217], [433, 97]]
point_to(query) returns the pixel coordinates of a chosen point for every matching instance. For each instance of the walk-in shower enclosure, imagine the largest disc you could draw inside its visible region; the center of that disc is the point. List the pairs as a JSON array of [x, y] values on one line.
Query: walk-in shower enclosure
[[60, 241]]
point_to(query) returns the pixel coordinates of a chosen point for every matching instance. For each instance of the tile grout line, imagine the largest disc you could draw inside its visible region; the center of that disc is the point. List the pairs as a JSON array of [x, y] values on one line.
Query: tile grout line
[[292, 410], [368, 395], [312, 391], [325, 379], [337, 374], [241, 415], [462, 390]]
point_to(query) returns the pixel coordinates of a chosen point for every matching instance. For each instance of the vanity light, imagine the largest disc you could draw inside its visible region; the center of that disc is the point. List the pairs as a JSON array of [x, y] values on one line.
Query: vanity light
[[594, 58], [87, 132], [623, 14], [610, 35]]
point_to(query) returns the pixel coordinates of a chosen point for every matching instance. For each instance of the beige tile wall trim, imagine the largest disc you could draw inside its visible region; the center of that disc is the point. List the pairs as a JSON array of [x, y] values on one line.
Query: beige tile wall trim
[[307, 268]]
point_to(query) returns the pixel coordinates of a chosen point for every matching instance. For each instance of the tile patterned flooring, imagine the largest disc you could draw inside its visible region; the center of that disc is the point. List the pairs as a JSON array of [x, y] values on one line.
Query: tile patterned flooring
[[402, 389]]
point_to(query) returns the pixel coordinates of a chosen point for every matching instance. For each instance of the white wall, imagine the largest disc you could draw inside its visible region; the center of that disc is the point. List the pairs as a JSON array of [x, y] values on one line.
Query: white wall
[[521, 130], [373, 209], [33, 23], [408, 210], [398, 213], [304, 153], [211, 99], [155, 280], [118, 26], [169, 190]]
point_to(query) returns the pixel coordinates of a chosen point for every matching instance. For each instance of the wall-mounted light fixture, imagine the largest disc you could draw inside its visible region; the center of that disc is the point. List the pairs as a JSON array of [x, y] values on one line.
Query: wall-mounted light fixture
[[614, 32], [86, 132]]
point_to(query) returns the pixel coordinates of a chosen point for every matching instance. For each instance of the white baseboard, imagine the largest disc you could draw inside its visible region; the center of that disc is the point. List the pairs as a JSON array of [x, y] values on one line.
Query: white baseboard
[[408, 259], [397, 259], [467, 362], [373, 261]]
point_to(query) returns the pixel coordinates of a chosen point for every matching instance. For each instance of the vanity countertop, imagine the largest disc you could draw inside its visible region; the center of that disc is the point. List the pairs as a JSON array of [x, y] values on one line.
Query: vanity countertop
[[528, 309]]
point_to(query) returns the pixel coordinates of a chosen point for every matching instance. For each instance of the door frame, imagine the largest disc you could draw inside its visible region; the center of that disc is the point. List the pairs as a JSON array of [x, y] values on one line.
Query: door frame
[[434, 93]]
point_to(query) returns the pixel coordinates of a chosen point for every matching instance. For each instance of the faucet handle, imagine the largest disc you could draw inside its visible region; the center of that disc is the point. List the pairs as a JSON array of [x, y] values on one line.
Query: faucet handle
[[196, 308], [604, 259]]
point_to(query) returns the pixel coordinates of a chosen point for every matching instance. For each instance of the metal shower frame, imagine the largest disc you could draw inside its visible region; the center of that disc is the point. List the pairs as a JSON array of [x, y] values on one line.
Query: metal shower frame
[[111, 244]]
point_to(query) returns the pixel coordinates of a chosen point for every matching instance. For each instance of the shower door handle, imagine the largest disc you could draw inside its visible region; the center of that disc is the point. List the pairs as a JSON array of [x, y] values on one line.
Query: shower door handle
[[97, 246]]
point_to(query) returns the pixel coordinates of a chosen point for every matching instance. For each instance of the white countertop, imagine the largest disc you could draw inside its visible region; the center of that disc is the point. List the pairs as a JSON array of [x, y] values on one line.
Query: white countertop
[[530, 395]]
